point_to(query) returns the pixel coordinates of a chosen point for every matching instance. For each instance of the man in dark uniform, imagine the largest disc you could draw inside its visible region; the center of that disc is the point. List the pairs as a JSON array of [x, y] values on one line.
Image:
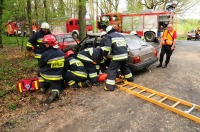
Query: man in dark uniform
[[51, 67], [74, 73], [35, 42], [91, 58], [115, 43]]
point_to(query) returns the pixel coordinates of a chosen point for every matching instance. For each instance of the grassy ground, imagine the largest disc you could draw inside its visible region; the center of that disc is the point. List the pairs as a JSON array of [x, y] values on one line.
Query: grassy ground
[[14, 66]]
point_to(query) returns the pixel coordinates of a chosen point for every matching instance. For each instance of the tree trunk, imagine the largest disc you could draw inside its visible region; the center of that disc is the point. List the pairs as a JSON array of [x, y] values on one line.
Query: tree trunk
[[28, 10], [45, 10], [36, 10], [81, 15], [1, 13]]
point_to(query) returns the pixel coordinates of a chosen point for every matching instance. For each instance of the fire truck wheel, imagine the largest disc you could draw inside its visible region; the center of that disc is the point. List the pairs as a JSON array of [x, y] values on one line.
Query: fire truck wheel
[[149, 36]]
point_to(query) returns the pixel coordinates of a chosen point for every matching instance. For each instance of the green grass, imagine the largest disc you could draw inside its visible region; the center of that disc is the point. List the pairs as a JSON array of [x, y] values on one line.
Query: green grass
[[12, 40]]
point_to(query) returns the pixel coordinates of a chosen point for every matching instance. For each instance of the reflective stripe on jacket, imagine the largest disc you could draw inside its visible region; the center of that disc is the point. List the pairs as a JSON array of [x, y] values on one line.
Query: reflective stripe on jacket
[[117, 47], [51, 64]]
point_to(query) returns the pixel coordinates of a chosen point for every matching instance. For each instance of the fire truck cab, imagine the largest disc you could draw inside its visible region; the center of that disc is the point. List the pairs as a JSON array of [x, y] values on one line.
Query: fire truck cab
[[149, 24], [72, 26], [13, 28]]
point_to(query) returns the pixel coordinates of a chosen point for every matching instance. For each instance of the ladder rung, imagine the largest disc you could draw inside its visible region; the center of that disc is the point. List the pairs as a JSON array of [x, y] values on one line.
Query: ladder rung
[[163, 99], [132, 88], [142, 91], [151, 95], [177, 103]]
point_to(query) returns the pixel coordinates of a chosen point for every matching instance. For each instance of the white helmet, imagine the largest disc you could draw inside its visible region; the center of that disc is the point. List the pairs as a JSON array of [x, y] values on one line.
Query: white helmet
[[109, 28], [103, 33], [133, 32], [45, 25]]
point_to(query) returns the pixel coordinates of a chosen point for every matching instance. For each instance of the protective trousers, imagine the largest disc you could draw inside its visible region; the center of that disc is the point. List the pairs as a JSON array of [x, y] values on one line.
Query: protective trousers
[[56, 85], [113, 70], [71, 79], [166, 49], [92, 72]]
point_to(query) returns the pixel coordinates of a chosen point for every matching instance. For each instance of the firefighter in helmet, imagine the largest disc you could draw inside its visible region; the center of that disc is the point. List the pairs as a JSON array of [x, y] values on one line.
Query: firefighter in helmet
[[116, 45], [35, 41], [74, 73], [91, 58], [51, 67]]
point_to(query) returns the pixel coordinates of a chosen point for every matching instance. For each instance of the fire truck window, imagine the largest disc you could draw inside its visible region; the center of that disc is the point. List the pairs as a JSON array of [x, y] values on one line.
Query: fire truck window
[[115, 18], [71, 23], [105, 18], [77, 22], [88, 22]]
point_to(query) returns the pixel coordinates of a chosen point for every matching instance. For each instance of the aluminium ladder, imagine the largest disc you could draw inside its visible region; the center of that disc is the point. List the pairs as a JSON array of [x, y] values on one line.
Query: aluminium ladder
[[174, 104]]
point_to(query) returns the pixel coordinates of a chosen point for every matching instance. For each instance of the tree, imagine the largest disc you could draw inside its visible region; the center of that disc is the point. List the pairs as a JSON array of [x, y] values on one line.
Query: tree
[[81, 15], [1, 13]]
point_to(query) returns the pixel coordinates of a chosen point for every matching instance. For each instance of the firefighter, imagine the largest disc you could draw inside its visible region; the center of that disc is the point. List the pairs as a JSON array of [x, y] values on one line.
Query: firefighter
[[51, 67], [74, 73], [167, 45], [91, 58], [106, 62], [35, 42], [116, 45]]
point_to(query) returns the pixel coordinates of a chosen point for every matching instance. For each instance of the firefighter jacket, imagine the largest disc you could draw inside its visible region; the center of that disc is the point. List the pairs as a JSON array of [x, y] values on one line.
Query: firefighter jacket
[[75, 66], [35, 43], [51, 64], [168, 37], [115, 44], [93, 55]]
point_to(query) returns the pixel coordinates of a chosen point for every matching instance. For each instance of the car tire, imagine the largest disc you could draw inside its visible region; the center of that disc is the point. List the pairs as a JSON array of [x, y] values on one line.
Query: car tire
[[150, 36]]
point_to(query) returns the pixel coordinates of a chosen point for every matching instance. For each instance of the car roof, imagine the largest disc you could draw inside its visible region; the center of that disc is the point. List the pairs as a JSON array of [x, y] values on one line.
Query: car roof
[[61, 33]]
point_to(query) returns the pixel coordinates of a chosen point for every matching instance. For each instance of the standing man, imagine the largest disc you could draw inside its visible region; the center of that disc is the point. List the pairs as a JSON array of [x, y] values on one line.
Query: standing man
[[35, 42], [115, 43], [167, 45], [51, 68]]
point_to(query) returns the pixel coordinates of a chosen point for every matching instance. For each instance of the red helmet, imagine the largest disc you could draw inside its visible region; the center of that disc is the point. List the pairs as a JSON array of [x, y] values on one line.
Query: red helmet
[[102, 77], [68, 53], [49, 39]]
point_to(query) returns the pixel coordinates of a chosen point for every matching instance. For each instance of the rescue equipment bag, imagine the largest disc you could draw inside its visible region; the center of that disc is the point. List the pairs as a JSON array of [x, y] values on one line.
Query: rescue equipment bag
[[102, 77], [26, 85]]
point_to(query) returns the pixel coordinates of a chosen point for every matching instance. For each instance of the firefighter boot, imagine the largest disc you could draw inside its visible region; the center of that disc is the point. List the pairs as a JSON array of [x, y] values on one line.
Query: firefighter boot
[[87, 83], [165, 66], [159, 65], [75, 86], [96, 84], [51, 98]]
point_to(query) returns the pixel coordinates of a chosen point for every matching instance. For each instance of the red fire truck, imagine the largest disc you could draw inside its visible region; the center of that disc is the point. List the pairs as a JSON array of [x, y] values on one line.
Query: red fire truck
[[13, 28], [72, 26], [149, 24]]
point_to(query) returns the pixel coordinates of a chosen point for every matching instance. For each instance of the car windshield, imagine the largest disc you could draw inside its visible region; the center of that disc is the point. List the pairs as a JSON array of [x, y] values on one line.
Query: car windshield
[[68, 38], [134, 42]]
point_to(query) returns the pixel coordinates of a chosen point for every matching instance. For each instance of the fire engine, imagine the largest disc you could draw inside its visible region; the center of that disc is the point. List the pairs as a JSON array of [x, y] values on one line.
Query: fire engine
[[13, 28], [72, 26], [150, 25]]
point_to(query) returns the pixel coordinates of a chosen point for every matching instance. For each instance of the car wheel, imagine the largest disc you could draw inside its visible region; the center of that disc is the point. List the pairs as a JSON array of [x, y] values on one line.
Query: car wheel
[[149, 36]]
